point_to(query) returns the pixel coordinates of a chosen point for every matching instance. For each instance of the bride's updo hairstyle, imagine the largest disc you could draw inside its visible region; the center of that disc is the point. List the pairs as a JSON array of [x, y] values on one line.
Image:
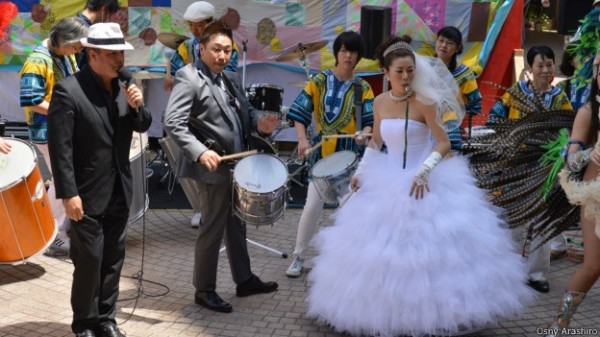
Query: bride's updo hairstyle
[[434, 84], [394, 47]]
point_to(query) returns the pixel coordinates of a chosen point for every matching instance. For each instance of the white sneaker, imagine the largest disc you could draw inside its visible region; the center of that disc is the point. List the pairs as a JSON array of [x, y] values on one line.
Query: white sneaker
[[195, 222], [295, 268], [61, 245]]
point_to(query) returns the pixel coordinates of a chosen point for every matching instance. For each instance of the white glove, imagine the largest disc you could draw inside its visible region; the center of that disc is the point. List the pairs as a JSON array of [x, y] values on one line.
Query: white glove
[[422, 176], [369, 153]]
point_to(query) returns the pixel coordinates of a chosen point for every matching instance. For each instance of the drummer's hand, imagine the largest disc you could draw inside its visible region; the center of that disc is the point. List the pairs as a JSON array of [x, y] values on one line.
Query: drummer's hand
[[168, 84], [303, 146], [359, 137], [210, 159], [267, 123], [73, 208], [4, 146], [354, 183]]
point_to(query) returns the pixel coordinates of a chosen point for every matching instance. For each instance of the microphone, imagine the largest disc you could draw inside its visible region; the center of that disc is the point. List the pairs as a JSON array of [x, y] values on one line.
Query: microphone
[[125, 76]]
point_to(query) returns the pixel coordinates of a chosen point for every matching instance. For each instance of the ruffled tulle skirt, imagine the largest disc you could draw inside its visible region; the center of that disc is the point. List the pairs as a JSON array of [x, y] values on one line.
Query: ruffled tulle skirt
[[392, 265]]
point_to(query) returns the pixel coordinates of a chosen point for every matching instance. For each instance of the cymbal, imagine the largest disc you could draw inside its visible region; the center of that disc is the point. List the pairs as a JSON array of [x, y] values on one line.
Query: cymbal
[[301, 49], [171, 40]]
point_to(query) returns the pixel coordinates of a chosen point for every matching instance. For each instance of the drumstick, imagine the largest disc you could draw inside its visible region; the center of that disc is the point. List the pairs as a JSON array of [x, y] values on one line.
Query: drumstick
[[346, 199], [310, 150], [348, 135], [239, 155]]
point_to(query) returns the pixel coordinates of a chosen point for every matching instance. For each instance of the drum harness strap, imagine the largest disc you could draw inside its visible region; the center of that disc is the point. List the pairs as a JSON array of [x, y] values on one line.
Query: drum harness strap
[[358, 103]]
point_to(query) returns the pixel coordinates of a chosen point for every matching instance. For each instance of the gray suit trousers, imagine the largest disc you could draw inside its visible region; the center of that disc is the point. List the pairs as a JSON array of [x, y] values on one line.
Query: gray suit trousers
[[217, 222]]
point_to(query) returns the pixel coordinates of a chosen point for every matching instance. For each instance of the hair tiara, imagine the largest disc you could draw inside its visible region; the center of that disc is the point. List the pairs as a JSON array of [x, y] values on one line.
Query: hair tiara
[[396, 46]]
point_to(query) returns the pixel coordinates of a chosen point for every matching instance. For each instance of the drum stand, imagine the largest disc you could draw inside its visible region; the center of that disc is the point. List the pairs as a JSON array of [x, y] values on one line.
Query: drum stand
[[272, 250]]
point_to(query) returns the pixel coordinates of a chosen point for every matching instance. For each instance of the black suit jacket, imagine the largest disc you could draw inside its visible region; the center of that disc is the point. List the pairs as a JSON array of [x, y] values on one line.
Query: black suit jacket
[[196, 112], [86, 151]]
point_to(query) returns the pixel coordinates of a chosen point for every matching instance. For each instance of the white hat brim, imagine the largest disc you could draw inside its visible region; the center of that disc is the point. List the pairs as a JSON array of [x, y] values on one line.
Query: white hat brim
[[125, 46]]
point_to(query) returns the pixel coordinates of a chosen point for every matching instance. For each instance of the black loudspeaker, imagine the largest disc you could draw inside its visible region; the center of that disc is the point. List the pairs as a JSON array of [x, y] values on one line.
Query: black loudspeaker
[[568, 16], [375, 27]]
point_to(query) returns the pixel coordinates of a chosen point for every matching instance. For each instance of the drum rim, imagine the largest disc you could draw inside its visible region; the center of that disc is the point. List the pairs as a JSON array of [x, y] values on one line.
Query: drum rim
[[337, 172], [29, 169], [264, 85]]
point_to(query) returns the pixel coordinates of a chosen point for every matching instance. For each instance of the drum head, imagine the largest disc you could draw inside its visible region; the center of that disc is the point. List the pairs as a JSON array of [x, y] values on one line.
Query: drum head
[[17, 164], [333, 164], [260, 173]]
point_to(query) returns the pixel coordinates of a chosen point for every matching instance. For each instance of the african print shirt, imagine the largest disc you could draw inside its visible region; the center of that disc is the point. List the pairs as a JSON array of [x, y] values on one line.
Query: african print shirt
[[553, 99], [41, 71], [331, 103]]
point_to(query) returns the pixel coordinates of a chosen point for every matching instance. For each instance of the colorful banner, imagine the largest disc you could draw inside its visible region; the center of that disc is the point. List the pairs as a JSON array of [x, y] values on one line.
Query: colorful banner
[[267, 26]]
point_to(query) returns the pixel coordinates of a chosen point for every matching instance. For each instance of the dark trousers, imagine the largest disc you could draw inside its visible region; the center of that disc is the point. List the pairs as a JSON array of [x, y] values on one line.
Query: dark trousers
[[98, 253], [218, 221]]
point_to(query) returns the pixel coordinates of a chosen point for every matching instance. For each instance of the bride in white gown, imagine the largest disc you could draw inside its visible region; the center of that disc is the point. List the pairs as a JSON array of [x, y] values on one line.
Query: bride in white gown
[[417, 250]]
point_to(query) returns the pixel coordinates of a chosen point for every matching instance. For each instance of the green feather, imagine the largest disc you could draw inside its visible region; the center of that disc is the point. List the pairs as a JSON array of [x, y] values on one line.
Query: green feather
[[553, 157]]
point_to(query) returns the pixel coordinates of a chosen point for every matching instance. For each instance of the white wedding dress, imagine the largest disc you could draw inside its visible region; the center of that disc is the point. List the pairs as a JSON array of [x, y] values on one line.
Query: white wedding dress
[[393, 265]]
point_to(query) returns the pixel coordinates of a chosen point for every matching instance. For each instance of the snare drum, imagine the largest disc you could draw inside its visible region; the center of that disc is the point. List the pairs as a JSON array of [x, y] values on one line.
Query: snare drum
[[26, 220], [264, 96], [331, 175], [259, 189], [137, 163]]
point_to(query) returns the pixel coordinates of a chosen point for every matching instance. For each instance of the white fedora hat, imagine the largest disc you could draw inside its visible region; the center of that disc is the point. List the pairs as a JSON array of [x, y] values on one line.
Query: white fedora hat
[[106, 35], [199, 11]]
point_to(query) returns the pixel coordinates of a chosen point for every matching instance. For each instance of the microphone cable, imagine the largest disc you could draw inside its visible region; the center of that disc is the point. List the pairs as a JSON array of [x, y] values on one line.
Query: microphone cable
[[125, 75]]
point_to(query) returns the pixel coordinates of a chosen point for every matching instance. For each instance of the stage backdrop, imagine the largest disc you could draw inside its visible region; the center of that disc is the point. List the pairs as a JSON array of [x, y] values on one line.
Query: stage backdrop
[[271, 26]]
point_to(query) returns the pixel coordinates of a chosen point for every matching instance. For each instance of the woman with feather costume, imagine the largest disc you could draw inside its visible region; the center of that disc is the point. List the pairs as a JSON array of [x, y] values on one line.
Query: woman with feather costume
[[583, 160]]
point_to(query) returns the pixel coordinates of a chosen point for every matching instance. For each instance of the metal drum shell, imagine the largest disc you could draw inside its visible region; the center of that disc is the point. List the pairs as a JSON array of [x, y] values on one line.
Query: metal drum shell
[[259, 206]]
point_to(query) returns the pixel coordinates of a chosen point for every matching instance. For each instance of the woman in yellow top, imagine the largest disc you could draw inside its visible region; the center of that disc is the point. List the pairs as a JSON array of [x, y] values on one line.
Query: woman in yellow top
[[447, 46], [541, 61], [328, 100]]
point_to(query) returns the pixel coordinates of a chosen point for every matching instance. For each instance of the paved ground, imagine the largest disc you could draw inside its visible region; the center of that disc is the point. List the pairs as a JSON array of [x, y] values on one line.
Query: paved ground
[[34, 297]]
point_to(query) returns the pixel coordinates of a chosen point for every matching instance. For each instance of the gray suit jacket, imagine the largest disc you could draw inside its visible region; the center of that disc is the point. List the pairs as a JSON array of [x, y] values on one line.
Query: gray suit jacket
[[197, 118]]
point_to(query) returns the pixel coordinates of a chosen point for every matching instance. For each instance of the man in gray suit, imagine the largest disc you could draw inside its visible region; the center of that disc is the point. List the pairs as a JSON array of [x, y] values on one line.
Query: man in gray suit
[[207, 116]]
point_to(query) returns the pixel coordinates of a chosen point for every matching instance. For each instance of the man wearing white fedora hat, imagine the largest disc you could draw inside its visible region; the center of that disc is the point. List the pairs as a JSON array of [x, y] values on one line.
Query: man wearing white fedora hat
[[90, 124]]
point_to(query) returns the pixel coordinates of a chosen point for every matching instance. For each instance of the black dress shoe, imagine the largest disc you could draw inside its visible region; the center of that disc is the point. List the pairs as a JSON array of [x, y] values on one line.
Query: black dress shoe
[[255, 286], [110, 330], [85, 333], [540, 286], [211, 301]]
